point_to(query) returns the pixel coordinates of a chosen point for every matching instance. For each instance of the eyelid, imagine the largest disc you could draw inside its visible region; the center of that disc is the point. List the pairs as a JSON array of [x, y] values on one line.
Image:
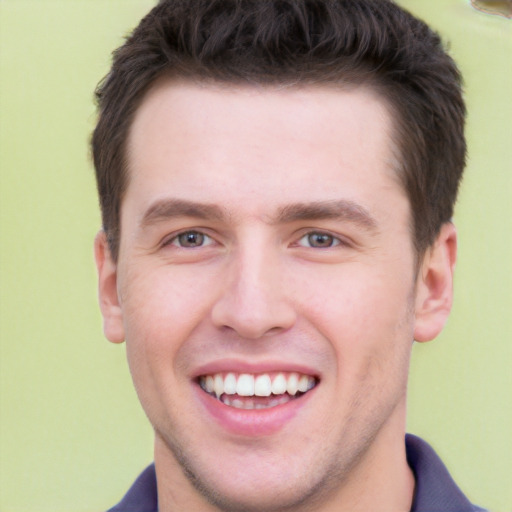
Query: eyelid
[[336, 240], [173, 237], [339, 240]]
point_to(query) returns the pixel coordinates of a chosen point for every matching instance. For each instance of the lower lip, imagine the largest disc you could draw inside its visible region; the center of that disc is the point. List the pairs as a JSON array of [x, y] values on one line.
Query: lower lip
[[252, 422]]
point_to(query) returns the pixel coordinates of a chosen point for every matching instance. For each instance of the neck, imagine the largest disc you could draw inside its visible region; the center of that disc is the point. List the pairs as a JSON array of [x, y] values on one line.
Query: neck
[[382, 481]]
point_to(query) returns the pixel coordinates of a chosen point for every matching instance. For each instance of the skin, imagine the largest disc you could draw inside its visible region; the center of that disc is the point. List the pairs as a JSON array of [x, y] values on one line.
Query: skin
[[274, 164]]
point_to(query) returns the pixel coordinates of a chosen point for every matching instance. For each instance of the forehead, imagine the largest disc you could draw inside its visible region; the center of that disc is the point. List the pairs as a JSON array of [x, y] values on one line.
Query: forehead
[[211, 142], [298, 109]]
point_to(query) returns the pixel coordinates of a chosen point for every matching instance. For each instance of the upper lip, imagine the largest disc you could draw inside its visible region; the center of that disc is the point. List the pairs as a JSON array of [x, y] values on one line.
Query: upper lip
[[243, 366]]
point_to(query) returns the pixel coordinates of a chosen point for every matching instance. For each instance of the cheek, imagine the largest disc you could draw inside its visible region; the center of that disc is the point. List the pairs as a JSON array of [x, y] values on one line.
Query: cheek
[[366, 316], [357, 298], [161, 307], [163, 294]]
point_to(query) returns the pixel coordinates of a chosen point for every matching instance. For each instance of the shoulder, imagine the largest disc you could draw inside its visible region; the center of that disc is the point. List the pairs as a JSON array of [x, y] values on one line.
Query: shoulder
[[142, 495], [435, 489]]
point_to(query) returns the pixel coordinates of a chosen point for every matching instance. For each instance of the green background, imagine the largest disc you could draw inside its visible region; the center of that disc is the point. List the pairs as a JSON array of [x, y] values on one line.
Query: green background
[[72, 434]]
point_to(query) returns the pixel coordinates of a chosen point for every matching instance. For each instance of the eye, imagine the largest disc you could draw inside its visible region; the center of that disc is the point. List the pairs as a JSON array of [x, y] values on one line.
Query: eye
[[319, 240], [190, 240]]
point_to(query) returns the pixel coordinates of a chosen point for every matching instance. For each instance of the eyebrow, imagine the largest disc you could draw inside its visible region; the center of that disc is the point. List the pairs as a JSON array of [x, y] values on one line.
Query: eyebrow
[[343, 210], [168, 208]]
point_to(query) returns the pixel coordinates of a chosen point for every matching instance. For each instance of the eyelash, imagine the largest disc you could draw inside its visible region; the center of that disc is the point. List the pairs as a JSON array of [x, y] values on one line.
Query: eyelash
[[175, 240], [333, 240]]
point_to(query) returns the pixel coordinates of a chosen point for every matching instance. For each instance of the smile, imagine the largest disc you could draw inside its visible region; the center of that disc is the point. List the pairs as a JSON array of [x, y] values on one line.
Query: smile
[[256, 391]]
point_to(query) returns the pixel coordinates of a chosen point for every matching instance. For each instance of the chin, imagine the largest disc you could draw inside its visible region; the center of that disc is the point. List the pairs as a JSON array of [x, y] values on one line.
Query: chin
[[259, 495], [247, 482]]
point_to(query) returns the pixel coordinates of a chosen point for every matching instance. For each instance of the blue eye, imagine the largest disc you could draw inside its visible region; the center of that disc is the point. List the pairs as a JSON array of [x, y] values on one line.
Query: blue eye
[[319, 240], [191, 239]]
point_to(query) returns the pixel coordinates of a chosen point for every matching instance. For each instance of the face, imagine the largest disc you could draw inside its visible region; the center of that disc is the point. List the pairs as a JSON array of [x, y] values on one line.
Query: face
[[266, 290]]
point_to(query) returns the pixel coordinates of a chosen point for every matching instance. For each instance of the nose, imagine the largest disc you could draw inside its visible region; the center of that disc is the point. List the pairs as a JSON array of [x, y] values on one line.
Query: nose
[[254, 301]]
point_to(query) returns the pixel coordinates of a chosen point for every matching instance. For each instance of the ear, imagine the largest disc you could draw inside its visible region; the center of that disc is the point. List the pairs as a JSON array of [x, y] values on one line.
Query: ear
[[434, 287], [107, 290]]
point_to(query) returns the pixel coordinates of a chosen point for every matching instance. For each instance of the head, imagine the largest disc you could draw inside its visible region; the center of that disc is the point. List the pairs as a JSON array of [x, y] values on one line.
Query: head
[[277, 180], [285, 43]]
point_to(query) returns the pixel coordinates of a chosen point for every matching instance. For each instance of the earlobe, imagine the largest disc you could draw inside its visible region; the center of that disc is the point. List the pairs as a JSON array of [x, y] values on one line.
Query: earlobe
[[107, 290], [434, 287]]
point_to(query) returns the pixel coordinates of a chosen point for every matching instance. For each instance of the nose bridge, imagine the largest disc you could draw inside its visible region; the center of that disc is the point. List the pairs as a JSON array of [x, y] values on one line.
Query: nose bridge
[[253, 300]]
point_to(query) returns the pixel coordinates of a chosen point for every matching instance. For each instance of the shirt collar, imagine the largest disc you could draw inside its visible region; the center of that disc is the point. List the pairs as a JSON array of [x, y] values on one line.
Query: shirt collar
[[435, 490]]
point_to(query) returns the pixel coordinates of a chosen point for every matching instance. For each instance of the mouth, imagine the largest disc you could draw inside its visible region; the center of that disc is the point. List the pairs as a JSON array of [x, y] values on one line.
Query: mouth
[[256, 391]]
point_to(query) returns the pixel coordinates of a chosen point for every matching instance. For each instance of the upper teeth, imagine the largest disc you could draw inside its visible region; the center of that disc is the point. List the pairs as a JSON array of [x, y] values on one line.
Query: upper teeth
[[263, 384]]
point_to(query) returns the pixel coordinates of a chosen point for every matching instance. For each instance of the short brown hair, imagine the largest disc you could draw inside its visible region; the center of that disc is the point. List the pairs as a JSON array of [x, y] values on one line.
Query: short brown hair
[[354, 42]]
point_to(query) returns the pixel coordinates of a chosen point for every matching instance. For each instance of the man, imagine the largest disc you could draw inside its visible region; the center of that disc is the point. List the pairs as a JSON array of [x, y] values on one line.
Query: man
[[277, 182]]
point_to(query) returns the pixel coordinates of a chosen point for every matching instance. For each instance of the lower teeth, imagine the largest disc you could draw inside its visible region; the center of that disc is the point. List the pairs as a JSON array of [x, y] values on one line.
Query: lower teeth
[[248, 403]]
